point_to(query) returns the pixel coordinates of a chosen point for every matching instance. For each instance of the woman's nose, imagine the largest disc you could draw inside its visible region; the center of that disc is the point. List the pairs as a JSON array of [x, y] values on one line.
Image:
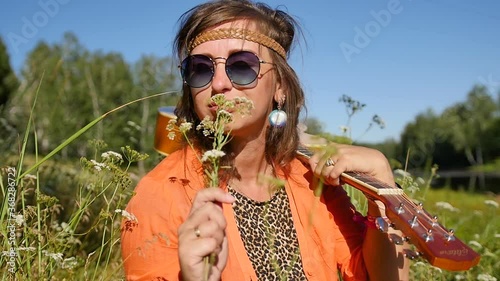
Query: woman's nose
[[221, 82]]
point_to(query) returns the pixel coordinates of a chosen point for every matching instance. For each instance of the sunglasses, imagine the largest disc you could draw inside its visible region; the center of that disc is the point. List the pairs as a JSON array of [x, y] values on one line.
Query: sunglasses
[[242, 68]]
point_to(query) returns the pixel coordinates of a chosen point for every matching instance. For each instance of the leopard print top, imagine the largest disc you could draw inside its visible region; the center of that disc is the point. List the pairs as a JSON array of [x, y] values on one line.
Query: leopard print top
[[269, 236]]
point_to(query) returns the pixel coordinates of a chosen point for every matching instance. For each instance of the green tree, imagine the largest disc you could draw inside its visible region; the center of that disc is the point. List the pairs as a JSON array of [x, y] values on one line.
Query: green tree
[[418, 140], [8, 79], [468, 122], [8, 85], [313, 126], [151, 75], [78, 86]]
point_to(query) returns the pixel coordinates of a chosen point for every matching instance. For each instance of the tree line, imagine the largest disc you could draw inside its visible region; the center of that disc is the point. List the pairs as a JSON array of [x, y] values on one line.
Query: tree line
[[73, 86]]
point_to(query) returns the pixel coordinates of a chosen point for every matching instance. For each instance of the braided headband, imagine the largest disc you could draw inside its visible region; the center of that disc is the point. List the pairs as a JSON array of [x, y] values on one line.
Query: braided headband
[[237, 33]]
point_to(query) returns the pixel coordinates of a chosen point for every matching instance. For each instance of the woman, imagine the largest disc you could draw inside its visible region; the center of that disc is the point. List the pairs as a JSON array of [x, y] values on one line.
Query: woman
[[255, 229]]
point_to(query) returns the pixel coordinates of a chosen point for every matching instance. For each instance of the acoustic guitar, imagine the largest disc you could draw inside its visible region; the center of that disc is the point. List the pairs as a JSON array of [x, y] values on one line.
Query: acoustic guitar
[[435, 243]]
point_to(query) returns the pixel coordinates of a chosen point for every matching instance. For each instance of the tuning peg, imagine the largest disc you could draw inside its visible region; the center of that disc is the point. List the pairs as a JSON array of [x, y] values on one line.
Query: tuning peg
[[413, 222], [428, 236], [396, 239], [410, 254], [400, 210], [420, 207], [434, 221], [382, 224], [450, 236]]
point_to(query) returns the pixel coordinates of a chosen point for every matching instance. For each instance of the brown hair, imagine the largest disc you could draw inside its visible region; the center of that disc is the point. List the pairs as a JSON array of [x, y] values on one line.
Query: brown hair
[[281, 143]]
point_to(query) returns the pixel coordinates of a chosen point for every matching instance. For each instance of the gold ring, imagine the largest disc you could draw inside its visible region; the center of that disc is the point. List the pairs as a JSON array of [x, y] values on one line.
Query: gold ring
[[329, 162], [197, 232]]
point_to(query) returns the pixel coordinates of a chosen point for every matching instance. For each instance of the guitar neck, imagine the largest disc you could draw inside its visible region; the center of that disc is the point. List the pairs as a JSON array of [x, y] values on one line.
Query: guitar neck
[[361, 181]]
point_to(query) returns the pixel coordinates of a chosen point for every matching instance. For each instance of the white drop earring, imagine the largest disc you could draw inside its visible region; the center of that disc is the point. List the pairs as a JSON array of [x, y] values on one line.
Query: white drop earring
[[277, 117]]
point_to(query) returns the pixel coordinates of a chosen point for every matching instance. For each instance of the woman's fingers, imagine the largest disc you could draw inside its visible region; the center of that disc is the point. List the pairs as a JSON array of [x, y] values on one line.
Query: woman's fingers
[[212, 194], [203, 234], [329, 166]]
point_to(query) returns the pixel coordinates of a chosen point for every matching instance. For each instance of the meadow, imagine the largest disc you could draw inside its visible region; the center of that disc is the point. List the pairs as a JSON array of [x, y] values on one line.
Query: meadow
[[65, 221]]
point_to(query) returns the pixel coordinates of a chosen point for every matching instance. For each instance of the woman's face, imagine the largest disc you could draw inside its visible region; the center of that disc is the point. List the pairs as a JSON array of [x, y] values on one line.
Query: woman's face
[[262, 91]]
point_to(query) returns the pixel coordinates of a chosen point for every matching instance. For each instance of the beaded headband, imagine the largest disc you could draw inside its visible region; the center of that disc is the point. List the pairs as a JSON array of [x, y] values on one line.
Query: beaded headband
[[237, 33]]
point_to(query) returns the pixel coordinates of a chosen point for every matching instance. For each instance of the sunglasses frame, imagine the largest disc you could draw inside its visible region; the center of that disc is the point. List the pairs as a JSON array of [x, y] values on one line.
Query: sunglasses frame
[[214, 64]]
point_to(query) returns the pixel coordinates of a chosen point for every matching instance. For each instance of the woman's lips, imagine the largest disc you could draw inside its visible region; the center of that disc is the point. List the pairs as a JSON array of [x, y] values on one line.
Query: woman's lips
[[213, 108]]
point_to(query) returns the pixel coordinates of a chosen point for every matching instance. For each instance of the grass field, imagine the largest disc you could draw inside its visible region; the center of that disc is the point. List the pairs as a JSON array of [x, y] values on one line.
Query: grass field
[[72, 232]]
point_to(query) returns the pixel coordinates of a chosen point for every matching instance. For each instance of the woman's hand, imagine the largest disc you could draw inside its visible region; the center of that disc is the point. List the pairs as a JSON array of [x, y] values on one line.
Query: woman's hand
[[350, 158], [202, 234]]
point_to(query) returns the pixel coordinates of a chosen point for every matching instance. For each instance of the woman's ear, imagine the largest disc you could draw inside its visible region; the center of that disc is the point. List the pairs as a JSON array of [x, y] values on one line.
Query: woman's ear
[[279, 94]]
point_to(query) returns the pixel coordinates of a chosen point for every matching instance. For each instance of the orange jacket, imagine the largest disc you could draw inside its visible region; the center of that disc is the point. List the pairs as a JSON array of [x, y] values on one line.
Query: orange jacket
[[329, 239]]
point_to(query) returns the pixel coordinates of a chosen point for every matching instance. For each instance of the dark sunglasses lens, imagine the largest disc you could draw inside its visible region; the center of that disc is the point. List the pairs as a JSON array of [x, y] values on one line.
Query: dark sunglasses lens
[[197, 71], [242, 67]]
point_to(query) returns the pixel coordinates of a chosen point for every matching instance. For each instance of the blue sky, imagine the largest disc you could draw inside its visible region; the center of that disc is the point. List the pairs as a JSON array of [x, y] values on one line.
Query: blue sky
[[399, 57]]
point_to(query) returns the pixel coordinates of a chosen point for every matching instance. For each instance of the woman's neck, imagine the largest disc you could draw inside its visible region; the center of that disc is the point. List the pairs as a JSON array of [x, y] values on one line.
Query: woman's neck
[[253, 175]]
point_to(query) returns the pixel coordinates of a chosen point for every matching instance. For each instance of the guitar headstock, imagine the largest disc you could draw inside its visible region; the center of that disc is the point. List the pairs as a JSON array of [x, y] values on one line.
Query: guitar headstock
[[438, 245]]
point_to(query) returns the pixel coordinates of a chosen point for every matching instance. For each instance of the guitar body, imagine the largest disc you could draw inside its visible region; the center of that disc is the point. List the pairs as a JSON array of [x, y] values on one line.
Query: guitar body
[[434, 242], [162, 143]]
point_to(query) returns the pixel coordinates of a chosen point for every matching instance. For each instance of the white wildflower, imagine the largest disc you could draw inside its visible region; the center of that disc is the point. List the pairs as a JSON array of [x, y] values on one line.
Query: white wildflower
[[66, 227], [446, 206], [491, 203], [401, 173], [219, 99], [207, 125], [127, 215], [244, 105], [134, 125], [477, 213], [486, 277], [98, 165], [225, 115], [19, 219], [497, 235], [113, 156], [30, 177], [212, 154], [69, 263], [55, 256], [171, 124], [412, 187], [90, 186], [171, 135], [459, 277], [420, 181], [230, 104], [476, 244], [27, 249], [185, 126]]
